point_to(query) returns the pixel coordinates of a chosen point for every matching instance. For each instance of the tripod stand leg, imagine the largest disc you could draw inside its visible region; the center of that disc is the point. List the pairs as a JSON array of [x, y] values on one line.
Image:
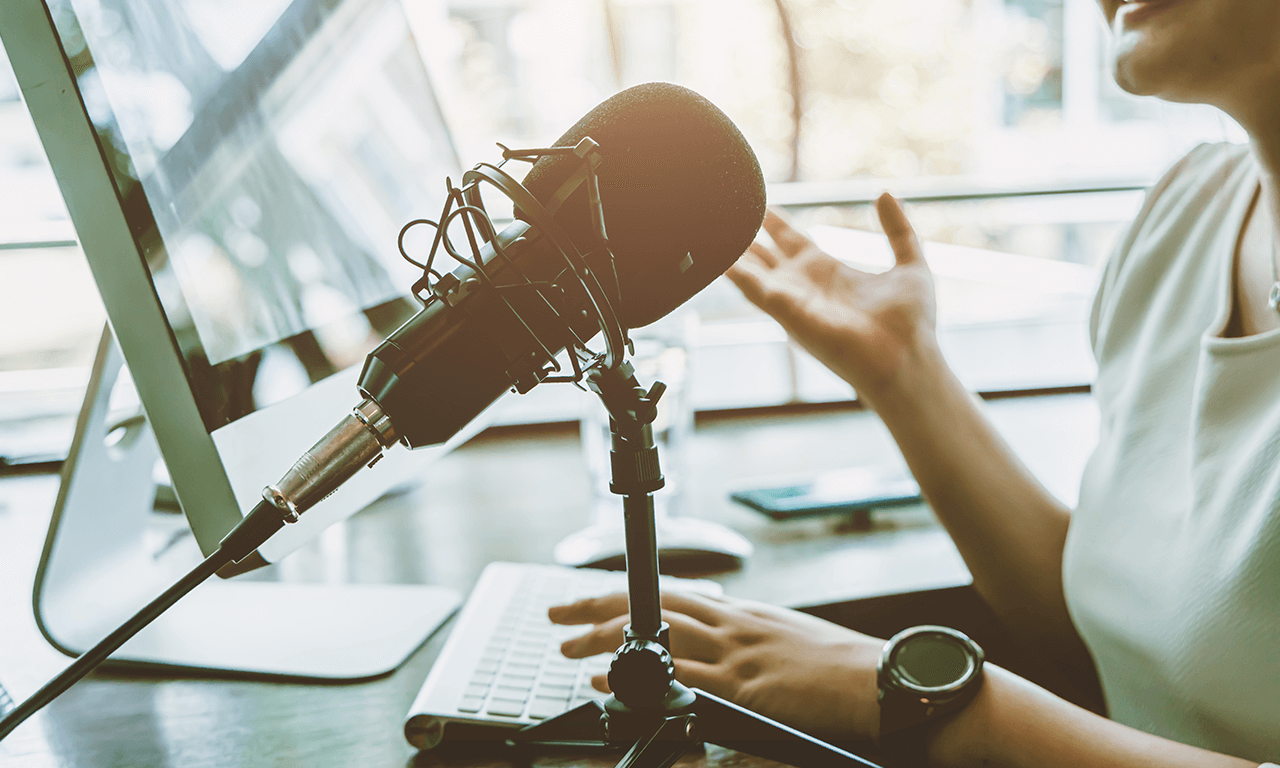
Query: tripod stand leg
[[728, 725], [584, 728], [671, 740], [581, 726]]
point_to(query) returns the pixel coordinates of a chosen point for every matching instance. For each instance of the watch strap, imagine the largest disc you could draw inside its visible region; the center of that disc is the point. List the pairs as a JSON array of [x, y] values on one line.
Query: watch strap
[[903, 744], [905, 727]]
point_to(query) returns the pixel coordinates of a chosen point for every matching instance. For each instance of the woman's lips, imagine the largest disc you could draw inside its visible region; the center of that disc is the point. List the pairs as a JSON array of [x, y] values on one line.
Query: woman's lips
[[1136, 11]]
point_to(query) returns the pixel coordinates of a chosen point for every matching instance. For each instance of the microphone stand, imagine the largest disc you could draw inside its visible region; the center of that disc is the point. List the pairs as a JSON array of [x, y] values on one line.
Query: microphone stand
[[649, 710]]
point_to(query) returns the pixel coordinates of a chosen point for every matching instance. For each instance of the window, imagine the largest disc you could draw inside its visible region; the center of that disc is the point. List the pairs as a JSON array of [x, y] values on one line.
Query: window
[[997, 117]]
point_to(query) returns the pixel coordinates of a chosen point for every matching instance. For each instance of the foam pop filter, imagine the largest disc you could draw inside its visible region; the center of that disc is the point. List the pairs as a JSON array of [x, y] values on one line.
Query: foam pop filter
[[682, 192]]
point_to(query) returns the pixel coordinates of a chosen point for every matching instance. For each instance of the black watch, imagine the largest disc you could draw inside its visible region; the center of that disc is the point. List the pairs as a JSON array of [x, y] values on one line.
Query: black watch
[[925, 673]]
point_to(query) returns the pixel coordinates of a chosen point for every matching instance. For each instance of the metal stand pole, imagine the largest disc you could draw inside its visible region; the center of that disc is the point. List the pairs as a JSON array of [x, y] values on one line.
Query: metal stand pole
[[651, 715]]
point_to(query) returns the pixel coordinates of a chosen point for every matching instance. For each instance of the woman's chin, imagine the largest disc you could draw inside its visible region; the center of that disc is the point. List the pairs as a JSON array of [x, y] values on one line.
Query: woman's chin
[[1142, 73]]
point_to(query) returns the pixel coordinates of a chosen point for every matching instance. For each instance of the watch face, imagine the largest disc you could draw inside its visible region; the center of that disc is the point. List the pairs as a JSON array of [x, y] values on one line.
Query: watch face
[[932, 660]]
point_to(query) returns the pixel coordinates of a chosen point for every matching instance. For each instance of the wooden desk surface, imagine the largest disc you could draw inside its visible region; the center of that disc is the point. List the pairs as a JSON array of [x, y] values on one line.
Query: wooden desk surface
[[511, 498]]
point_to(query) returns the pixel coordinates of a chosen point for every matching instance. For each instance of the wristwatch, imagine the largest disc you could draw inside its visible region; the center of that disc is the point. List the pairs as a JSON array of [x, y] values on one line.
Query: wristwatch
[[925, 674]]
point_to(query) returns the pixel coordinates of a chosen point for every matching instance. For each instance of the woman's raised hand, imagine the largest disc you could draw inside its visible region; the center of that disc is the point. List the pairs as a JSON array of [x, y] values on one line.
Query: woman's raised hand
[[789, 666], [863, 326]]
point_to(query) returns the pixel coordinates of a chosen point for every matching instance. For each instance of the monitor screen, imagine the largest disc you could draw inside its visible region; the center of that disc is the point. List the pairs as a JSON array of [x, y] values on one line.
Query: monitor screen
[[266, 154], [238, 172]]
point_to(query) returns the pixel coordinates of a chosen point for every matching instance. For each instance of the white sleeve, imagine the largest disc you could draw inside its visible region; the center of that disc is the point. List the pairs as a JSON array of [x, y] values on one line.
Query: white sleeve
[[1111, 267]]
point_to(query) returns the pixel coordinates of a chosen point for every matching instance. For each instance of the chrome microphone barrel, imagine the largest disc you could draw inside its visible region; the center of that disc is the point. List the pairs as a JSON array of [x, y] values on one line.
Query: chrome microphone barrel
[[355, 443]]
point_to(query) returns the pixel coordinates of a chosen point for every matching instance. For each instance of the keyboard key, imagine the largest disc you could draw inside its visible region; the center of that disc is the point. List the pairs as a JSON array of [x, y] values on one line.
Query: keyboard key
[[505, 707], [542, 708], [476, 690], [520, 665], [471, 704], [516, 684], [512, 693]]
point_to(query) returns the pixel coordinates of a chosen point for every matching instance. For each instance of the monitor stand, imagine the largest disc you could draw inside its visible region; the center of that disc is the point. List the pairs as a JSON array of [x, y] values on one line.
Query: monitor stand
[[99, 567]]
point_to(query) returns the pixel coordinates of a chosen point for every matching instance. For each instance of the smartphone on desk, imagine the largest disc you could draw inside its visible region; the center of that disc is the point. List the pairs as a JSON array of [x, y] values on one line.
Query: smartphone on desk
[[856, 490]]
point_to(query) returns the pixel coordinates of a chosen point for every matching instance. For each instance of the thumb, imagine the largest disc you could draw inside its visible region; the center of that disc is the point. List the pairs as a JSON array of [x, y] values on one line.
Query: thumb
[[902, 237]]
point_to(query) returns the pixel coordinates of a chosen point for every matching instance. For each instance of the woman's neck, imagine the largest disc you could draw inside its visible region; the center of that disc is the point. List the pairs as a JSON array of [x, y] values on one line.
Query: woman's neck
[[1263, 126], [1256, 266]]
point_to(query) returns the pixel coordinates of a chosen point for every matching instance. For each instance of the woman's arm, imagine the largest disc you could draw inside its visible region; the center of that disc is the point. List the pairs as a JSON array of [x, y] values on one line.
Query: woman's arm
[[878, 332], [1009, 529], [821, 679], [1014, 723]]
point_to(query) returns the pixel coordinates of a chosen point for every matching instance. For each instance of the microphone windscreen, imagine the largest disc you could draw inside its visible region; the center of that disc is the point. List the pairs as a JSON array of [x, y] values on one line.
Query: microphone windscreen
[[682, 192]]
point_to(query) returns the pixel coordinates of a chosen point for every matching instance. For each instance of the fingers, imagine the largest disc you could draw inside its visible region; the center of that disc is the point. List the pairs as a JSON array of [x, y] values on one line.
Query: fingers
[[704, 609], [902, 236], [695, 674], [699, 674], [766, 254], [789, 240], [592, 610], [604, 637], [690, 639], [750, 276], [749, 271]]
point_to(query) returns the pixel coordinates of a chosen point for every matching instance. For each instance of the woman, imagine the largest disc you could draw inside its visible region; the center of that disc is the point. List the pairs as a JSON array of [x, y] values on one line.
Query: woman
[[1168, 572]]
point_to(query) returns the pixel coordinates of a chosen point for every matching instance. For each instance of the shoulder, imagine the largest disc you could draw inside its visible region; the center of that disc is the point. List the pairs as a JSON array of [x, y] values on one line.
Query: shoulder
[[1190, 198], [1185, 193]]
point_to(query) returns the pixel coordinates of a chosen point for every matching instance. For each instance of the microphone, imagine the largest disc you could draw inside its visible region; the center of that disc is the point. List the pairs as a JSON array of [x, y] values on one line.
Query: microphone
[[682, 195]]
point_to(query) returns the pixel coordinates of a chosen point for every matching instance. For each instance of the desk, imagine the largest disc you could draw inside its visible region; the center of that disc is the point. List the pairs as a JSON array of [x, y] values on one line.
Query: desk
[[510, 497]]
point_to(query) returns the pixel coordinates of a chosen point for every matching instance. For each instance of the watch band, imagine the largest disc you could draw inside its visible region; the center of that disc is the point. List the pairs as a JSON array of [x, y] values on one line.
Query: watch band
[[904, 747], [906, 744]]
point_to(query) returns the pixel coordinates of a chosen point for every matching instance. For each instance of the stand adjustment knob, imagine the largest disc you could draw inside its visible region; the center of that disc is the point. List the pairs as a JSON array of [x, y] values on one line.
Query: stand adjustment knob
[[641, 673]]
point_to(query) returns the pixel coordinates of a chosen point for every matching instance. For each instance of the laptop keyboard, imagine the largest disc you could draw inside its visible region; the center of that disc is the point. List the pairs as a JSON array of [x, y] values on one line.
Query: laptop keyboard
[[521, 670], [501, 666]]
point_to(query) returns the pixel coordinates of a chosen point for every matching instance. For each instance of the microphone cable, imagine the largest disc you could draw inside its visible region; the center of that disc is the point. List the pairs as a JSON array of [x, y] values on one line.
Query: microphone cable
[[258, 526]]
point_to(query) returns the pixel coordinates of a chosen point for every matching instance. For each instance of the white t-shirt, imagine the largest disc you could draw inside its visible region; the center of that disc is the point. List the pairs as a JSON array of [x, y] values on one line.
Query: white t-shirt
[[1172, 561]]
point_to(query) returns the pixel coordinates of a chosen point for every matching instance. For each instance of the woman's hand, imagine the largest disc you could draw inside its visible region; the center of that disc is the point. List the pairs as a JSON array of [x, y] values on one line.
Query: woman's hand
[[794, 668], [861, 325]]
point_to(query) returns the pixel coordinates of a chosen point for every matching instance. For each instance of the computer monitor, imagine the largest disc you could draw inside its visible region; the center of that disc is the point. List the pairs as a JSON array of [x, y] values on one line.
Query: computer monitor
[[237, 186]]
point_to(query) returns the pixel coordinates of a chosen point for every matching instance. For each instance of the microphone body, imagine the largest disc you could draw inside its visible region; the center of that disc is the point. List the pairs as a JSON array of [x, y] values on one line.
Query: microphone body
[[450, 361], [682, 197]]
